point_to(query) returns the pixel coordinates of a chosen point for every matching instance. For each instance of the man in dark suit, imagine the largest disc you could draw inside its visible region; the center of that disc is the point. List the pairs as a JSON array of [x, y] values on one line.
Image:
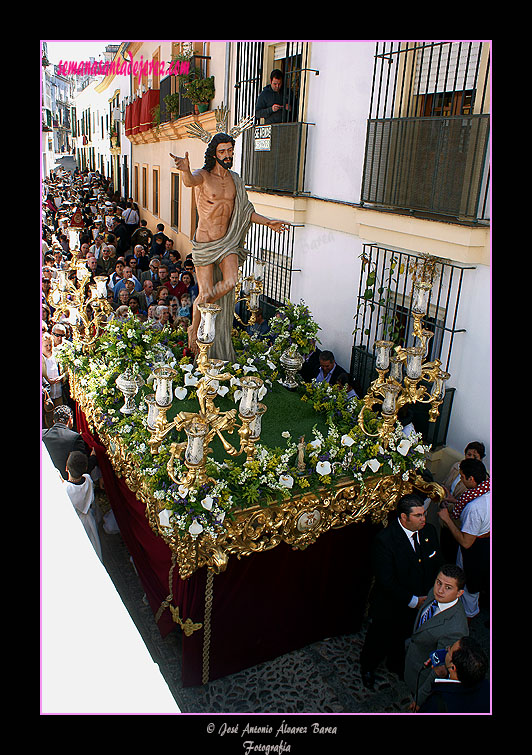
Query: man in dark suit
[[152, 273], [461, 684], [440, 622], [406, 559], [61, 439], [122, 236], [321, 367]]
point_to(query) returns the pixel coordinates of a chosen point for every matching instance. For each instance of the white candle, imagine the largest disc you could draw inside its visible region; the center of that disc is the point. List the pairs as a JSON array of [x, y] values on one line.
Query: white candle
[[420, 297], [382, 349], [248, 402], [206, 329], [390, 396], [414, 358], [195, 436]]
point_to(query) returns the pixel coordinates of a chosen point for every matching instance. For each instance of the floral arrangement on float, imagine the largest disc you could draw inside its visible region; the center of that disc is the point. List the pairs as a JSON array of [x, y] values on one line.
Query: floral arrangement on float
[[337, 451]]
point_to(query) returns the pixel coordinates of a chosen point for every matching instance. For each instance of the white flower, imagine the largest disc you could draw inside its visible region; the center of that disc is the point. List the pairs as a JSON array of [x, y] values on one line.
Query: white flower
[[159, 495], [286, 434], [404, 447], [270, 364], [315, 444], [180, 392], [195, 528], [249, 368], [164, 518], [262, 392], [190, 379], [286, 480], [323, 468], [187, 367], [373, 464], [183, 491], [222, 390], [238, 395], [234, 381], [207, 503], [347, 440]]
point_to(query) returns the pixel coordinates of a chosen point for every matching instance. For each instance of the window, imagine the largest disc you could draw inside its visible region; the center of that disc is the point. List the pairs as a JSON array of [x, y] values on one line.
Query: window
[[273, 154], [384, 313], [277, 252], [175, 201], [155, 185], [125, 173], [427, 140], [144, 186], [156, 75], [136, 185]]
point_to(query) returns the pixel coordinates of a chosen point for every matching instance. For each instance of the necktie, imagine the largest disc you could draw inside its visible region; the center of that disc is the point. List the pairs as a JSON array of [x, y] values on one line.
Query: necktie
[[417, 547], [429, 613]]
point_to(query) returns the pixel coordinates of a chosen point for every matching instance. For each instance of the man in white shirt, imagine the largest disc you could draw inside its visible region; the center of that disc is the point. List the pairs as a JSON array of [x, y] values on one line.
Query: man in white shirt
[[473, 539]]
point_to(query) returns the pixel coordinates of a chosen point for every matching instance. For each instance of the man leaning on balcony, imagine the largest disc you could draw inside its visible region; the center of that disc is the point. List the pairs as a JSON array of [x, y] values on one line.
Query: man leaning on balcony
[[271, 104]]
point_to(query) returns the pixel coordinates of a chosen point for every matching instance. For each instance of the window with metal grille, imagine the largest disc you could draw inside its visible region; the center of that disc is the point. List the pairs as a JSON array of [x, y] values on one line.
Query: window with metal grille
[[273, 154], [384, 313], [427, 141], [277, 251]]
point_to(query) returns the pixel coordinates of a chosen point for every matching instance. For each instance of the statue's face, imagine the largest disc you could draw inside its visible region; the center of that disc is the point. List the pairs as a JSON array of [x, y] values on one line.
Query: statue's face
[[224, 155]]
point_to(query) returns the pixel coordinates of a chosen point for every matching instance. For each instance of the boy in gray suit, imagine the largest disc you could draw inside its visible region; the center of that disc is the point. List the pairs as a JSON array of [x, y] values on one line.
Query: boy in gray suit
[[440, 621]]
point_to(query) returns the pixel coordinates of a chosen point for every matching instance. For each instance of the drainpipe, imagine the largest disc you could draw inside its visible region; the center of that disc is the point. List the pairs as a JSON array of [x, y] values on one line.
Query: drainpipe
[[227, 72]]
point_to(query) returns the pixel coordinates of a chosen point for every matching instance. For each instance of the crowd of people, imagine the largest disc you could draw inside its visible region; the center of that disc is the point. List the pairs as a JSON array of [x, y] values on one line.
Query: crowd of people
[[145, 274]]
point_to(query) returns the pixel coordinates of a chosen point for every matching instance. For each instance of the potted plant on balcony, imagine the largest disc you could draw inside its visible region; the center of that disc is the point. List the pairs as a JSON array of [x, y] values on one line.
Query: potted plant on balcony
[[172, 104], [156, 118], [113, 133], [200, 91]]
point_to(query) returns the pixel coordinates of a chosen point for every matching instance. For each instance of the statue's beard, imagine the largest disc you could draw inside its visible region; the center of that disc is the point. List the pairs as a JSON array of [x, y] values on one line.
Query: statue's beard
[[226, 162]]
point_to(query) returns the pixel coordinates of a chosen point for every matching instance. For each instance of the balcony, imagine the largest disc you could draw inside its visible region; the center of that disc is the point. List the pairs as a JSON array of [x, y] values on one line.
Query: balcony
[[149, 119], [427, 139], [433, 165], [273, 157]]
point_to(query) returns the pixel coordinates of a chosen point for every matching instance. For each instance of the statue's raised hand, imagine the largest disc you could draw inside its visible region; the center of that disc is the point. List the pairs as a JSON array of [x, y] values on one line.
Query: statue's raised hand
[[181, 163]]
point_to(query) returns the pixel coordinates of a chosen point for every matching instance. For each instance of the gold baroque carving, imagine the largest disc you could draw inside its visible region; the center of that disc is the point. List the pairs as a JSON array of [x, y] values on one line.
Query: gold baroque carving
[[298, 521]]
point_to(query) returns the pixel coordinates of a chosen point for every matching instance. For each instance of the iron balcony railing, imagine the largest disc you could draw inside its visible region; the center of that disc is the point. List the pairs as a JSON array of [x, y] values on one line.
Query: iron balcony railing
[[273, 157], [428, 131], [277, 251], [172, 85]]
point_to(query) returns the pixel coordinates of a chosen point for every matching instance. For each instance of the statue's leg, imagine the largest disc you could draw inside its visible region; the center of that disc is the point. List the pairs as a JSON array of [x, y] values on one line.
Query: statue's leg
[[205, 290], [211, 292], [229, 269]]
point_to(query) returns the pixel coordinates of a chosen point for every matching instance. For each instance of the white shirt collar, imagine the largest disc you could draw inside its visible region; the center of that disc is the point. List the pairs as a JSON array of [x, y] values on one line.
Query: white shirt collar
[[408, 533]]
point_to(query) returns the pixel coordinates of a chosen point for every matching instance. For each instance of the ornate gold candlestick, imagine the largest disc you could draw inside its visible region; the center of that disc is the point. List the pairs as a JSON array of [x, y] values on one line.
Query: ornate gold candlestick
[[249, 290], [201, 427], [390, 389]]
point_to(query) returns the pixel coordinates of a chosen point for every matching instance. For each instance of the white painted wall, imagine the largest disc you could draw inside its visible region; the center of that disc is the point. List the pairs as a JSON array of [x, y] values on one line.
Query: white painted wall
[[328, 284], [470, 365], [339, 100]]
